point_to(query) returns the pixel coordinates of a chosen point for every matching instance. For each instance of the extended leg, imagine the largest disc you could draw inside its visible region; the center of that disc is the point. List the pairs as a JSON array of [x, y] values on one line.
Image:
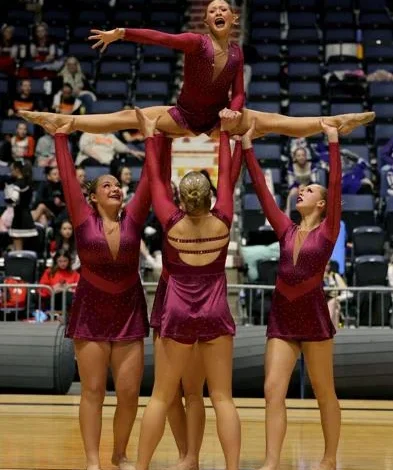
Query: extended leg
[[127, 369], [319, 360]]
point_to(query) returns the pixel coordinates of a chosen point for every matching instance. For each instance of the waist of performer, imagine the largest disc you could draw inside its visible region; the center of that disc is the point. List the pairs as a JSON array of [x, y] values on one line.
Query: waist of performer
[[174, 269], [110, 286], [208, 109], [292, 291]]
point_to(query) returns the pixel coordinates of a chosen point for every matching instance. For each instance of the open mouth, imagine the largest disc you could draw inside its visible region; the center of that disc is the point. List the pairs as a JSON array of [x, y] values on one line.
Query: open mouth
[[299, 199], [220, 22], [115, 196]]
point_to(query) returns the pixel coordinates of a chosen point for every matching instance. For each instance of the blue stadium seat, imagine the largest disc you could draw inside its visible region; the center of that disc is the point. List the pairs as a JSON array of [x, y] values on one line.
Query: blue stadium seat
[[264, 90], [115, 69], [38, 174], [374, 20], [338, 4], [305, 71], [21, 33], [266, 34], [262, 70], [303, 35], [361, 150], [265, 106], [19, 16], [103, 106], [380, 53], [375, 5], [59, 33], [368, 240], [93, 17], [357, 210], [82, 50], [57, 17], [370, 270], [268, 51], [383, 111], [305, 109], [339, 19], [373, 66], [333, 35], [128, 18], [159, 52], [304, 52], [302, 4], [388, 217], [111, 88], [383, 132], [301, 19], [87, 67], [155, 69], [121, 51], [304, 90], [265, 18], [381, 91], [371, 36], [344, 108], [3, 86]]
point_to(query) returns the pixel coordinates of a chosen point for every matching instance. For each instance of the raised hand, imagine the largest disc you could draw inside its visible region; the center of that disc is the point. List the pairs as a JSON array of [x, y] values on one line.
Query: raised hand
[[330, 131], [229, 119], [67, 128], [103, 38], [249, 135], [147, 125]]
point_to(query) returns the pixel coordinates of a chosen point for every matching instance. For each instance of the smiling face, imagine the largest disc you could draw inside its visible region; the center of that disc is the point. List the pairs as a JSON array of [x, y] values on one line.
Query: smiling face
[[310, 198], [105, 192], [219, 18]]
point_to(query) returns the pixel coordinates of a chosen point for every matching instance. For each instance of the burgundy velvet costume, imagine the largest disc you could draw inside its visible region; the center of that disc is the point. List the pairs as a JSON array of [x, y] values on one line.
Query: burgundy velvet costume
[[109, 303], [191, 301], [299, 310], [201, 98]]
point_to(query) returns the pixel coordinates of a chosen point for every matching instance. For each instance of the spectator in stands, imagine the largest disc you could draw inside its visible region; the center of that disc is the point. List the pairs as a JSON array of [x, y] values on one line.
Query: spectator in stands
[[81, 176], [64, 240], [19, 194], [23, 99], [50, 195], [8, 50], [99, 149], [44, 51], [58, 277], [334, 297], [65, 102], [72, 75], [301, 171], [124, 175], [45, 151], [22, 144]]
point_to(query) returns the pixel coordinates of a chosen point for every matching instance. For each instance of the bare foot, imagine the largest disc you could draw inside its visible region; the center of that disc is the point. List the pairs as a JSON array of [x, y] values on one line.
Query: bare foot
[[326, 464], [123, 464], [185, 465], [269, 467], [349, 122], [49, 121], [93, 467]]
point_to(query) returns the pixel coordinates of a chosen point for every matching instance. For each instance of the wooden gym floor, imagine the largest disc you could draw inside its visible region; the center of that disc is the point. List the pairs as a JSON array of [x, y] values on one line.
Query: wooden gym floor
[[41, 432]]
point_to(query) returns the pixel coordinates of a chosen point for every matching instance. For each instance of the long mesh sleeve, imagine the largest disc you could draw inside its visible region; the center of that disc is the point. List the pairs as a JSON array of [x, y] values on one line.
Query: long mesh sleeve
[[237, 100], [163, 204], [237, 160], [186, 42], [76, 203], [333, 210], [278, 219], [224, 202]]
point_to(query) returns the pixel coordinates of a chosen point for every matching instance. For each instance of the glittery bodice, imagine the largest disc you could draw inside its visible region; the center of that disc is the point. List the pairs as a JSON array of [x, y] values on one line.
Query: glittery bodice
[[201, 98], [299, 310], [109, 304]]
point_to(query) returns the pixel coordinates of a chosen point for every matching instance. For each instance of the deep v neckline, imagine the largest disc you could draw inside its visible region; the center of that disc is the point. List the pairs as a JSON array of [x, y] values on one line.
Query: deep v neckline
[[213, 54], [301, 246], [116, 257]]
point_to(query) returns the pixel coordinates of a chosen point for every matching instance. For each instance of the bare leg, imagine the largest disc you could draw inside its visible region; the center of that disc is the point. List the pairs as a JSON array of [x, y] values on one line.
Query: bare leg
[[127, 368], [176, 413], [319, 361], [267, 123], [217, 360], [334, 311], [280, 360], [178, 423], [171, 360], [17, 244], [111, 122], [193, 380], [93, 362]]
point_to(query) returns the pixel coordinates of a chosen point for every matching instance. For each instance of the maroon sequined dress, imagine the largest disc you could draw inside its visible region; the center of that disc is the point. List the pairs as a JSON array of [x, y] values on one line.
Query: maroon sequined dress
[[109, 303], [201, 97], [299, 309], [191, 303]]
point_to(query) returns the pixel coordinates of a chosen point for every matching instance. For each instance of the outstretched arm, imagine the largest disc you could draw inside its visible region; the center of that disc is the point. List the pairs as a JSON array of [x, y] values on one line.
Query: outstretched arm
[[163, 204], [237, 160], [224, 202], [333, 209], [186, 42], [277, 218], [76, 203]]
